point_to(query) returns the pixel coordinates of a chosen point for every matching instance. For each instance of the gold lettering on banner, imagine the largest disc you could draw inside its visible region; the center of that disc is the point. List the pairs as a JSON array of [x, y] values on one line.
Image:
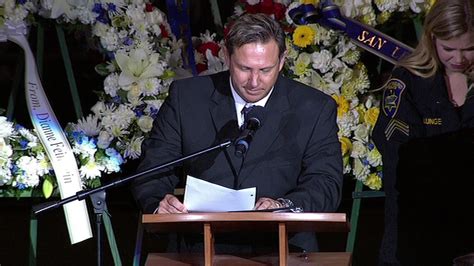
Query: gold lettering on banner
[[395, 51], [371, 40], [433, 121]]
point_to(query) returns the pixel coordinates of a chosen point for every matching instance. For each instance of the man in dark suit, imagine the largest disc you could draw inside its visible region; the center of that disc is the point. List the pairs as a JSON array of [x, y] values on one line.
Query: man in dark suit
[[294, 158]]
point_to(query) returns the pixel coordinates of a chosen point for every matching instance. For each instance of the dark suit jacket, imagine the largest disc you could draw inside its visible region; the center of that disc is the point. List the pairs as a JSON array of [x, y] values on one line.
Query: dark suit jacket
[[295, 154]]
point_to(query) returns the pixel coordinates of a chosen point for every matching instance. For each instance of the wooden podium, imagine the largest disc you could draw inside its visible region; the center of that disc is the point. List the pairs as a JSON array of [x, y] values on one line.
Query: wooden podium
[[283, 223]]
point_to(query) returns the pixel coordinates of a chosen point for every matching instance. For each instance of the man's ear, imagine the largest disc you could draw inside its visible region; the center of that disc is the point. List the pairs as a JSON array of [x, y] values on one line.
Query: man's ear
[[282, 60], [226, 56]]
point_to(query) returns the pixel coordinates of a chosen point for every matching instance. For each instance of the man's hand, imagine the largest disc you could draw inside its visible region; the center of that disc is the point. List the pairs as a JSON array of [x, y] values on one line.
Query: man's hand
[[267, 203], [171, 204]]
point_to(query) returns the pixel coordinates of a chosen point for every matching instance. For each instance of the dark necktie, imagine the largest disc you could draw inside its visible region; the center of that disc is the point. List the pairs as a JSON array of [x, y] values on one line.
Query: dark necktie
[[245, 111]]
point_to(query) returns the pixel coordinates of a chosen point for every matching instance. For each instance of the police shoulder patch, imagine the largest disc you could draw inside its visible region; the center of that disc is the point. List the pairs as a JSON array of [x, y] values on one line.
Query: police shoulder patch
[[392, 95]]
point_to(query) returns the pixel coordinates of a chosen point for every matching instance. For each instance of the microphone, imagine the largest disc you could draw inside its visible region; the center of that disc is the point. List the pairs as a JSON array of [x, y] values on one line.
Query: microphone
[[253, 121]]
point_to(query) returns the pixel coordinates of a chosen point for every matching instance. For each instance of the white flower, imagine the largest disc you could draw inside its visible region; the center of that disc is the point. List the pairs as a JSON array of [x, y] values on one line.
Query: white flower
[[90, 170], [133, 95], [6, 152], [118, 121], [28, 171], [111, 84], [32, 139], [6, 127], [113, 161], [360, 170], [134, 148], [361, 132], [346, 123], [359, 150], [374, 158], [5, 175], [85, 147], [98, 108], [145, 123], [89, 125], [153, 106], [353, 8], [387, 5], [137, 65], [214, 64], [253, 2], [321, 60], [104, 139], [150, 87]]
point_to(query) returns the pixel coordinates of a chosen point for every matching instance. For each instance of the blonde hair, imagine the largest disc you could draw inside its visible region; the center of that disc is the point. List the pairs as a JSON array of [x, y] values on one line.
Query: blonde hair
[[447, 19]]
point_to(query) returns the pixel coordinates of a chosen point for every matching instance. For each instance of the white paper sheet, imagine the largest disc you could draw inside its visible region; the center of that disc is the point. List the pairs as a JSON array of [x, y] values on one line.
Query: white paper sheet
[[203, 196]]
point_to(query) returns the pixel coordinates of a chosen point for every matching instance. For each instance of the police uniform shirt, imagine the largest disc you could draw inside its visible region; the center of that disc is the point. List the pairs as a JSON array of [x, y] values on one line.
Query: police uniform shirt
[[412, 108]]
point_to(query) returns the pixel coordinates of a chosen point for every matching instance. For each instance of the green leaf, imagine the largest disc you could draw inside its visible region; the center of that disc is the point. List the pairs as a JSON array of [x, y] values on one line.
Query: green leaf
[[48, 187], [102, 69]]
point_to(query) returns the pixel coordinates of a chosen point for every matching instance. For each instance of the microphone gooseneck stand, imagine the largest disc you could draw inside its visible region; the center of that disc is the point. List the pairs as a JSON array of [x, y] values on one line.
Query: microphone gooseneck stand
[[97, 195]]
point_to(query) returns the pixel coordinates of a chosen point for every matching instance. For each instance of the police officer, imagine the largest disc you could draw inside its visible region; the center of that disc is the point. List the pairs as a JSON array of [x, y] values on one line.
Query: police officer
[[428, 102]]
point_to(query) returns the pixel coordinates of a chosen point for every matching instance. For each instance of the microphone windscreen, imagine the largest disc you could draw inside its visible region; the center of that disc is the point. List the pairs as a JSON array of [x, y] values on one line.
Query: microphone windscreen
[[256, 113]]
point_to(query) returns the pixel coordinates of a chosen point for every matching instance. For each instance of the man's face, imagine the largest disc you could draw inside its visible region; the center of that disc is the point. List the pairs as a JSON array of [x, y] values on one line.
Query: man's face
[[456, 54], [254, 69]]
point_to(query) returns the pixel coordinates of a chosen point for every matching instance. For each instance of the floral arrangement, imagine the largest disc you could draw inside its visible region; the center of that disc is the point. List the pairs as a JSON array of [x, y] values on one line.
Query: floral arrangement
[[23, 161], [144, 57], [142, 54]]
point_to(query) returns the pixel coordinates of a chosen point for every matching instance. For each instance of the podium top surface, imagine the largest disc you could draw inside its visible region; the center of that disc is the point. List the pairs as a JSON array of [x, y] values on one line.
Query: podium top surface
[[248, 221]]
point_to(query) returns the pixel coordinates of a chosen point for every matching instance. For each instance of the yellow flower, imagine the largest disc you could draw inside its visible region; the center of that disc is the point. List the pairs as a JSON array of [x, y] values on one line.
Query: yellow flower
[[383, 17], [371, 116], [346, 145], [309, 2], [342, 105], [303, 36], [373, 181], [368, 19], [361, 110], [348, 89]]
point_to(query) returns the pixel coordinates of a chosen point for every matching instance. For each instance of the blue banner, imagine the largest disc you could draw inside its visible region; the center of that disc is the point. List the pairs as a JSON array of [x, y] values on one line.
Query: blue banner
[[364, 36]]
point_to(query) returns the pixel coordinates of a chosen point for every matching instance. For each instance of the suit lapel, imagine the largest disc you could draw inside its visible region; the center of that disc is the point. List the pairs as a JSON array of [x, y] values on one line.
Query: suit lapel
[[276, 109], [224, 117]]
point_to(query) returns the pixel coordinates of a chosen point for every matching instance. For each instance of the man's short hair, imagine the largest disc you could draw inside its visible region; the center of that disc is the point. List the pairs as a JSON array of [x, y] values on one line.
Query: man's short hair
[[255, 28]]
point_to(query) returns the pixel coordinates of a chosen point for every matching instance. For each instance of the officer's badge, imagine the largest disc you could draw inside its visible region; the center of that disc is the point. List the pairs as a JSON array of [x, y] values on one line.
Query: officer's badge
[[391, 97]]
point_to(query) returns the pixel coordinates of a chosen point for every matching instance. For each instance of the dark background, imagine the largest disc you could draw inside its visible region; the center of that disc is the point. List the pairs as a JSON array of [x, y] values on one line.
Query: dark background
[[54, 247]]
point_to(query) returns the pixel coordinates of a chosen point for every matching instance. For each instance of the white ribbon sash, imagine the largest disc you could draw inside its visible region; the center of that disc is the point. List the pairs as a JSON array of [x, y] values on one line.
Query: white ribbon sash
[[53, 138]]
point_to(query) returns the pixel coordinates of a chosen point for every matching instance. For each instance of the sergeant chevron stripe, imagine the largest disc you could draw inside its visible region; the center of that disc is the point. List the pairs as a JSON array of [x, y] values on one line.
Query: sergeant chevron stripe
[[394, 125]]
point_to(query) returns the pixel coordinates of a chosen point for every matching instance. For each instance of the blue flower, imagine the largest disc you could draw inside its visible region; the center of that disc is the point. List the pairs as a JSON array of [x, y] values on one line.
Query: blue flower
[[21, 2], [24, 144], [365, 161], [102, 13], [153, 112], [78, 137], [128, 41], [21, 186], [117, 99], [371, 146], [97, 8], [114, 155], [111, 7]]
